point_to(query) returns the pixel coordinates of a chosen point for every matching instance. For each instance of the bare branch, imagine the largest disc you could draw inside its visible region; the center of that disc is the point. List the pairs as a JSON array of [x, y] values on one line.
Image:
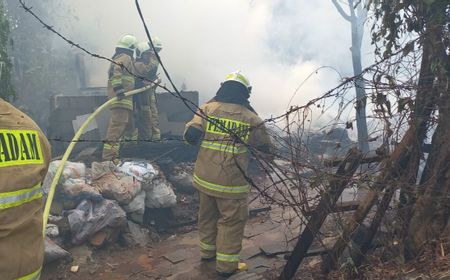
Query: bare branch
[[341, 10]]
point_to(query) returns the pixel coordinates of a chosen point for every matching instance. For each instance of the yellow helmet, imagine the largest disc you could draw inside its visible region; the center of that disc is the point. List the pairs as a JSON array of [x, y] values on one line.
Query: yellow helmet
[[239, 77], [127, 42]]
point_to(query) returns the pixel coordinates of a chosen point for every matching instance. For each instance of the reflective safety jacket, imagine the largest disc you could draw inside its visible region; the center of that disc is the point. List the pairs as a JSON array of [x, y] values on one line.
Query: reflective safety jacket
[[121, 79], [146, 69], [222, 160], [24, 159]]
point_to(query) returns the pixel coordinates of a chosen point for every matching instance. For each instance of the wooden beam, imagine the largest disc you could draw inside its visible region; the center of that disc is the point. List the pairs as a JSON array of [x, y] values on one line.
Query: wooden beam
[[335, 188]]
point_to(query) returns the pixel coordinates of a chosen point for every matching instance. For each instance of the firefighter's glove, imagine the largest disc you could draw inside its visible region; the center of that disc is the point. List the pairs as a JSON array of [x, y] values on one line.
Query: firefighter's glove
[[120, 92], [193, 135]]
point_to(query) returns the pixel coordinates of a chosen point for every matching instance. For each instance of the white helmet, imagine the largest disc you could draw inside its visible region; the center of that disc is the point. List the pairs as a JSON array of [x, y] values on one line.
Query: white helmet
[[157, 43], [141, 48], [127, 42], [237, 76]]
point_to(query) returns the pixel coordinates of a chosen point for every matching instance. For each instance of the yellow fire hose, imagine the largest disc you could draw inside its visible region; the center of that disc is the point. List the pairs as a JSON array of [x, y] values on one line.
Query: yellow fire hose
[[75, 139]]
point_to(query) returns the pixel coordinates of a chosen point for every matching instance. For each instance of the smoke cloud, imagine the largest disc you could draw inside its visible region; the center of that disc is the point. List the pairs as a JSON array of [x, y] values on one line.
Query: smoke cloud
[[276, 43]]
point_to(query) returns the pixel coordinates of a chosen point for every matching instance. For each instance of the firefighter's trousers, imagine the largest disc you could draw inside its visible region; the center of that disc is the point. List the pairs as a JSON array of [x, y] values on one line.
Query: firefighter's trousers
[[147, 117], [120, 127], [221, 229]]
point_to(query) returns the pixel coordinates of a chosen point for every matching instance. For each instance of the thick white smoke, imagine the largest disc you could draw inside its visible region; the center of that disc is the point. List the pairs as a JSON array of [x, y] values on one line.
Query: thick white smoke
[[276, 43]]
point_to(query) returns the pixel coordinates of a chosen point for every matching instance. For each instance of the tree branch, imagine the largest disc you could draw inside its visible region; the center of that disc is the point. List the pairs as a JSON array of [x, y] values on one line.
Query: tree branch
[[341, 10]]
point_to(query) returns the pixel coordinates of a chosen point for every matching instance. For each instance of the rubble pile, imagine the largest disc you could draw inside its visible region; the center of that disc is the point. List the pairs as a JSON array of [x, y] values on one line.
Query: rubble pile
[[103, 203]]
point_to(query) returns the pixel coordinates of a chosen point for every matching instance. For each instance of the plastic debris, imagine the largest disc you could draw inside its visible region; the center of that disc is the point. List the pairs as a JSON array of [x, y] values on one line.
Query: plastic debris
[[136, 208], [136, 235], [140, 170], [72, 170], [90, 217], [77, 190], [159, 194]]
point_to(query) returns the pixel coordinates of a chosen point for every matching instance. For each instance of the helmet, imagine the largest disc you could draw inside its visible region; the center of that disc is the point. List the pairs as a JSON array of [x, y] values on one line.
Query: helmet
[[157, 43], [237, 76], [141, 48], [127, 42]]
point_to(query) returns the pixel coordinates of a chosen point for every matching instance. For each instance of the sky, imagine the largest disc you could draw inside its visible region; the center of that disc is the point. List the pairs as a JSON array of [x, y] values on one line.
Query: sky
[[276, 43]]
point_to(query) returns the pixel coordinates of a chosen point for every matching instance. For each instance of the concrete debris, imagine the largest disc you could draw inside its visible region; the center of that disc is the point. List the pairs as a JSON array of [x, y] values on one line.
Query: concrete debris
[[53, 252], [74, 268], [52, 230], [176, 257]]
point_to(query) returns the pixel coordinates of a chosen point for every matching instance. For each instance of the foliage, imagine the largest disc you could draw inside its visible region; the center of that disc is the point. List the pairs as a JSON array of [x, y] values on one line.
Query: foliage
[[397, 19], [6, 88]]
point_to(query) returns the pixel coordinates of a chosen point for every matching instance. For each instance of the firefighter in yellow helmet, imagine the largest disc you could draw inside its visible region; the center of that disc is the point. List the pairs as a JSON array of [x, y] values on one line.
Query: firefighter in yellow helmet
[[229, 125], [146, 66], [120, 80], [24, 160]]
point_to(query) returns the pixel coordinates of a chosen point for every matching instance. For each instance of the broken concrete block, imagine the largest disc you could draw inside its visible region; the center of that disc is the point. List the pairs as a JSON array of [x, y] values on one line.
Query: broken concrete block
[[74, 268], [52, 230], [176, 257]]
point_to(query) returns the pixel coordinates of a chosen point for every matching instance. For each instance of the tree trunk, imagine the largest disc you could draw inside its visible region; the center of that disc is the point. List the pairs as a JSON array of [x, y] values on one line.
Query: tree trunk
[[431, 211], [361, 123], [400, 169], [327, 202]]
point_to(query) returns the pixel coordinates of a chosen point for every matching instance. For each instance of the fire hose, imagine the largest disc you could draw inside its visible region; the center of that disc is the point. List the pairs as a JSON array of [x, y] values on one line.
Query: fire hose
[[74, 140]]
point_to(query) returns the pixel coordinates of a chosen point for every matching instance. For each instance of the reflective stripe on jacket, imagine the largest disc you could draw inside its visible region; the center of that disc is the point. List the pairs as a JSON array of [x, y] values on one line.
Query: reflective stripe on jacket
[[121, 76], [223, 158], [24, 159]]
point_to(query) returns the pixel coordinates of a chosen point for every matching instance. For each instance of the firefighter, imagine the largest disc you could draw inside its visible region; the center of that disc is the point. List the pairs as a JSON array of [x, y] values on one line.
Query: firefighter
[[146, 65], [24, 160], [225, 127], [120, 80]]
